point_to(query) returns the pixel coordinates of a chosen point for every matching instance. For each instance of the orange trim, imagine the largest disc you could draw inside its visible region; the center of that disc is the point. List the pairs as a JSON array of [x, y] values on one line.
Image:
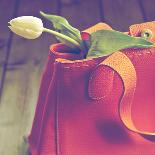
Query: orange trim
[[124, 67]]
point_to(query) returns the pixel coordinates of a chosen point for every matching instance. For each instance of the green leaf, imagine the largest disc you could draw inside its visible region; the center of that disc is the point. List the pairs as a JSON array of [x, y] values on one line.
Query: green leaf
[[61, 25], [105, 42]]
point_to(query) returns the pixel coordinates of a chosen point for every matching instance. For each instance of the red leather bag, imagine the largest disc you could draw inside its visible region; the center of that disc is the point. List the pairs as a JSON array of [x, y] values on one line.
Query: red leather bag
[[100, 106]]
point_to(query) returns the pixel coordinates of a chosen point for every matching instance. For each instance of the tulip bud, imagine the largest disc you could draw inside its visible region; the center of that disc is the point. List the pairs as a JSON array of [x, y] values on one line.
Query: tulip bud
[[27, 26]]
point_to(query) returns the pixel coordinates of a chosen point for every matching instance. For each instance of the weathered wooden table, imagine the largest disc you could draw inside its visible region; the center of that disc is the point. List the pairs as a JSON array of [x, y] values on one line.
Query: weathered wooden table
[[22, 61]]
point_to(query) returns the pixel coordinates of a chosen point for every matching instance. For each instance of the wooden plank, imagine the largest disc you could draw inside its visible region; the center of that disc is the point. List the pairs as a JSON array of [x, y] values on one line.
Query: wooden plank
[[121, 14], [148, 7], [5, 37], [5, 16], [70, 1], [22, 82], [82, 14]]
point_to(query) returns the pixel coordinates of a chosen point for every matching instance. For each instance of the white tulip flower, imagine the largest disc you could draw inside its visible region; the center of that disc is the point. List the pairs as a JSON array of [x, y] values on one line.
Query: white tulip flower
[[31, 27], [27, 26]]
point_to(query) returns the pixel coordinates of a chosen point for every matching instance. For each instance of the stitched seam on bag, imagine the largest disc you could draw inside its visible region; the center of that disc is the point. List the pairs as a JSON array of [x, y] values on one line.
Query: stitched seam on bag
[[57, 114], [82, 66], [43, 116]]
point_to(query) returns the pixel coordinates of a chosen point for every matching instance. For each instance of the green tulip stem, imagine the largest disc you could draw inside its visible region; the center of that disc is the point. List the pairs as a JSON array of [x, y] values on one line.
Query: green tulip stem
[[72, 41]]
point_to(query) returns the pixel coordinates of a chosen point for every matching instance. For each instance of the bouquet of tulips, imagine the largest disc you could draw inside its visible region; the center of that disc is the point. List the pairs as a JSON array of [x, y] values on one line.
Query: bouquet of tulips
[[99, 43]]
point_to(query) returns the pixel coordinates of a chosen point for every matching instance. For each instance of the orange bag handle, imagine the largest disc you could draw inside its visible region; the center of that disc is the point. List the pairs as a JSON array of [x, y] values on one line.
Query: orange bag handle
[[121, 64]]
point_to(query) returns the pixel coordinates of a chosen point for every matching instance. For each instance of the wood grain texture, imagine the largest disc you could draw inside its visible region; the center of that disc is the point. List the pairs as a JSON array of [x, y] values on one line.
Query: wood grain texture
[[5, 16], [5, 35], [22, 81], [120, 14], [83, 14], [148, 9]]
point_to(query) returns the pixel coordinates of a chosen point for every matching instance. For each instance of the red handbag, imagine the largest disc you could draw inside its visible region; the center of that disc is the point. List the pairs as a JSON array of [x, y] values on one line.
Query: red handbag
[[99, 106]]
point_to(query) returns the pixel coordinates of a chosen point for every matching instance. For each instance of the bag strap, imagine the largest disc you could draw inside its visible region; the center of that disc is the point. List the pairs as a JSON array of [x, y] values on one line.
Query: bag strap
[[98, 26], [121, 64]]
